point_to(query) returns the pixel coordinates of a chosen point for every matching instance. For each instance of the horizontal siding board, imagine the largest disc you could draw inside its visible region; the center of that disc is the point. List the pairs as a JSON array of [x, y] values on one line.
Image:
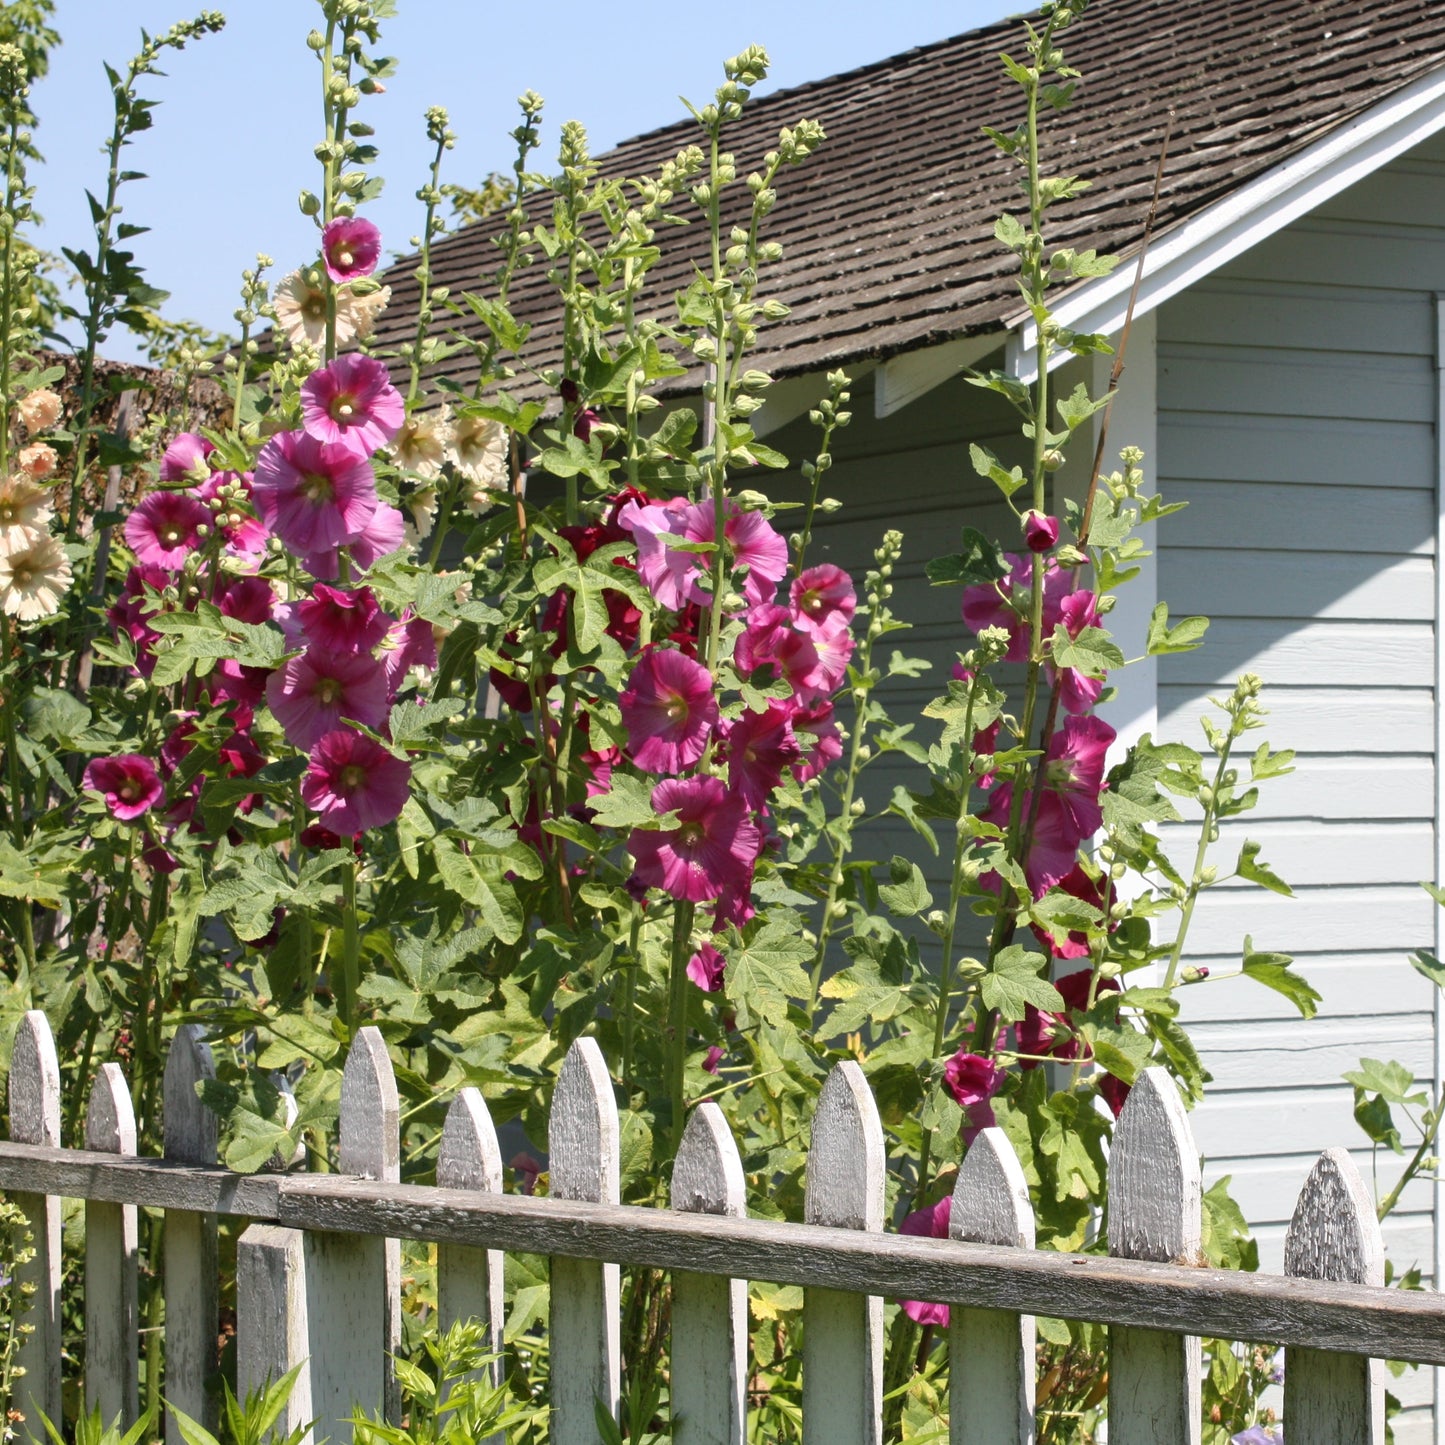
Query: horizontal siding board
[[1401, 654], [1308, 1054], [1305, 853], [1228, 1124], [1405, 196], [1340, 253], [1356, 985], [1322, 920], [1266, 1189]]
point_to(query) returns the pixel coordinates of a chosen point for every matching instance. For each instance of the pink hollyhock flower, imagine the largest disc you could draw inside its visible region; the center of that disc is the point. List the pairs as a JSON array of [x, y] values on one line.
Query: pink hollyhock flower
[[232, 681], [821, 595], [834, 645], [1078, 692], [409, 643], [185, 459], [312, 496], [129, 782], [1074, 769], [1006, 603], [162, 530], [931, 1222], [1115, 1093], [973, 1080], [1078, 884], [313, 694], [337, 620], [1056, 838], [817, 731], [528, 1170], [753, 542], [1041, 533], [705, 968], [354, 783], [132, 610], [599, 763], [350, 248], [384, 532], [352, 404], [247, 599], [669, 711], [766, 635], [247, 536], [666, 573], [760, 746], [713, 1058], [712, 845]]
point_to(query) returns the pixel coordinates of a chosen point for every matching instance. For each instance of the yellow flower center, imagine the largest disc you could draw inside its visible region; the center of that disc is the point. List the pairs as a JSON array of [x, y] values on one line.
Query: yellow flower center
[[344, 257], [328, 690], [352, 777], [315, 487], [343, 407], [690, 834], [313, 308], [676, 709]]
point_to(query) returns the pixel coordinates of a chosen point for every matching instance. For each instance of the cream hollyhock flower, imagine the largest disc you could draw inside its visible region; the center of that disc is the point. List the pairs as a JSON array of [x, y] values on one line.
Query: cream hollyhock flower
[[422, 507], [25, 512], [421, 444], [300, 306], [33, 579], [38, 461], [478, 450], [362, 311], [39, 411]]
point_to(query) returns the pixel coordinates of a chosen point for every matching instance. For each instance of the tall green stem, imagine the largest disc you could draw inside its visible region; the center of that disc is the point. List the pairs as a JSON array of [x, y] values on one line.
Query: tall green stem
[[677, 1018], [350, 949], [1196, 876], [7, 294]]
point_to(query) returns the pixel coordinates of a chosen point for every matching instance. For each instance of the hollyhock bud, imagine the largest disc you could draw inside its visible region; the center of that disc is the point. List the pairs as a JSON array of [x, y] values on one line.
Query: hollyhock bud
[[1040, 532]]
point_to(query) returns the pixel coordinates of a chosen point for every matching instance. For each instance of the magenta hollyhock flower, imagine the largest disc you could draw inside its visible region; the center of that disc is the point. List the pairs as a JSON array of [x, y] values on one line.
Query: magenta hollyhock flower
[[162, 530], [713, 843], [350, 248], [352, 404], [973, 1080], [705, 968], [337, 620], [713, 1058], [312, 496], [185, 459], [666, 573], [1078, 692], [1006, 603], [760, 746], [354, 783], [247, 599], [1074, 769], [754, 544], [1041, 532], [669, 711], [238, 682], [132, 610], [129, 782], [247, 536], [821, 595], [1077, 883], [931, 1222], [409, 643], [767, 632], [314, 693], [833, 644], [1056, 838], [818, 733]]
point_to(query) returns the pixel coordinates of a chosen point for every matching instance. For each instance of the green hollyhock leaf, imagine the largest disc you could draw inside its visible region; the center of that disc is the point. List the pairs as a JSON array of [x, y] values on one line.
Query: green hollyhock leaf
[[979, 560], [1273, 971], [1430, 966], [1184, 636], [907, 895], [1250, 867], [1091, 652], [766, 971], [1389, 1079], [1016, 980], [628, 804]]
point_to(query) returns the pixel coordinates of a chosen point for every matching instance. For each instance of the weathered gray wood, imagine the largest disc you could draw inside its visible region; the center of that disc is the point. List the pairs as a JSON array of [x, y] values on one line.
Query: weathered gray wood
[[1154, 1213], [111, 1299], [271, 1329], [35, 1119], [843, 1332], [353, 1282], [469, 1281], [709, 1312], [191, 1279], [991, 1352], [1329, 1399], [582, 1139]]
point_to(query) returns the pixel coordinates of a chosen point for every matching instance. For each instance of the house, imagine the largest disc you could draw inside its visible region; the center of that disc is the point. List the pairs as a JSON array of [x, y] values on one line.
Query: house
[[1284, 378]]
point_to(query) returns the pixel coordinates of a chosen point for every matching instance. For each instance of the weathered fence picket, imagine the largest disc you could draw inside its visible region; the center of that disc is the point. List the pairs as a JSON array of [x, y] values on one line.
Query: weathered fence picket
[[843, 1332], [1333, 1399], [272, 1333], [1154, 1213], [585, 1350], [112, 1337], [35, 1119], [191, 1280], [709, 1311], [991, 1352]]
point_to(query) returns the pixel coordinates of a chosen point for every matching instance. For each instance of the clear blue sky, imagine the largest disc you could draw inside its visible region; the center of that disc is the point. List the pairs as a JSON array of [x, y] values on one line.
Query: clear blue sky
[[231, 145]]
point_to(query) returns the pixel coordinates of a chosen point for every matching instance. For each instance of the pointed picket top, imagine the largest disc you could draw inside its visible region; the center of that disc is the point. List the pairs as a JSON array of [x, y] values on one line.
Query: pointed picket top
[[370, 1110], [582, 1137], [707, 1175], [35, 1083], [470, 1157], [1335, 1234], [846, 1157], [191, 1130], [1154, 1187], [991, 1196], [110, 1118]]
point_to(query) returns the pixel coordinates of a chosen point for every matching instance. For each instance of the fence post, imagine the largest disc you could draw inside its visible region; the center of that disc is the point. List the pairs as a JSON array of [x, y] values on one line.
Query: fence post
[[709, 1312], [991, 1352], [111, 1302], [1329, 1398], [35, 1119], [271, 1329], [585, 1165], [1154, 1214], [192, 1304], [469, 1280], [843, 1332], [353, 1282]]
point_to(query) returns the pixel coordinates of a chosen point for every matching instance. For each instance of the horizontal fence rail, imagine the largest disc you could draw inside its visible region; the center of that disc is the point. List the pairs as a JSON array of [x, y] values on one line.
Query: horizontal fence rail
[[318, 1268]]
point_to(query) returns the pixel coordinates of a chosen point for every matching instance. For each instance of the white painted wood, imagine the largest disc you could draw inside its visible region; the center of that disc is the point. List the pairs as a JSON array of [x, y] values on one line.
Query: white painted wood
[[192, 1319], [1154, 1213], [469, 1280], [791, 396], [353, 1282], [843, 1333], [1437, 1252], [35, 1119], [905, 378], [272, 1335], [111, 1300], [1248, 214], [709, 1312], [1334, 1399], [991, 1353], [585, 1164]]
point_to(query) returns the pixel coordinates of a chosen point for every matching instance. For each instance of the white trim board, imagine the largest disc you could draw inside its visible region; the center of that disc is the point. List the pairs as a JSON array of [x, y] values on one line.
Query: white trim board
[[1192, 250], [1438, 1202]]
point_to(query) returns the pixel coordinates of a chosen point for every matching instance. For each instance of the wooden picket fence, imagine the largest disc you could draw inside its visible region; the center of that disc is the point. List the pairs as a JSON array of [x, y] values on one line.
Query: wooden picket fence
[[318, 1264]]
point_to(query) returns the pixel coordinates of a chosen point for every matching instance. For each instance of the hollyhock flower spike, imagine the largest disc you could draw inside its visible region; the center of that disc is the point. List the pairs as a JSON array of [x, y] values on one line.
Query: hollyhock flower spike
[[128, 782], [164, 529], [354, 784], [712, 845], [931, 1222], [350, 248], [352, 404], [669, 711], [821, 595], [973, 1080], [312, 496], [312, 694]]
